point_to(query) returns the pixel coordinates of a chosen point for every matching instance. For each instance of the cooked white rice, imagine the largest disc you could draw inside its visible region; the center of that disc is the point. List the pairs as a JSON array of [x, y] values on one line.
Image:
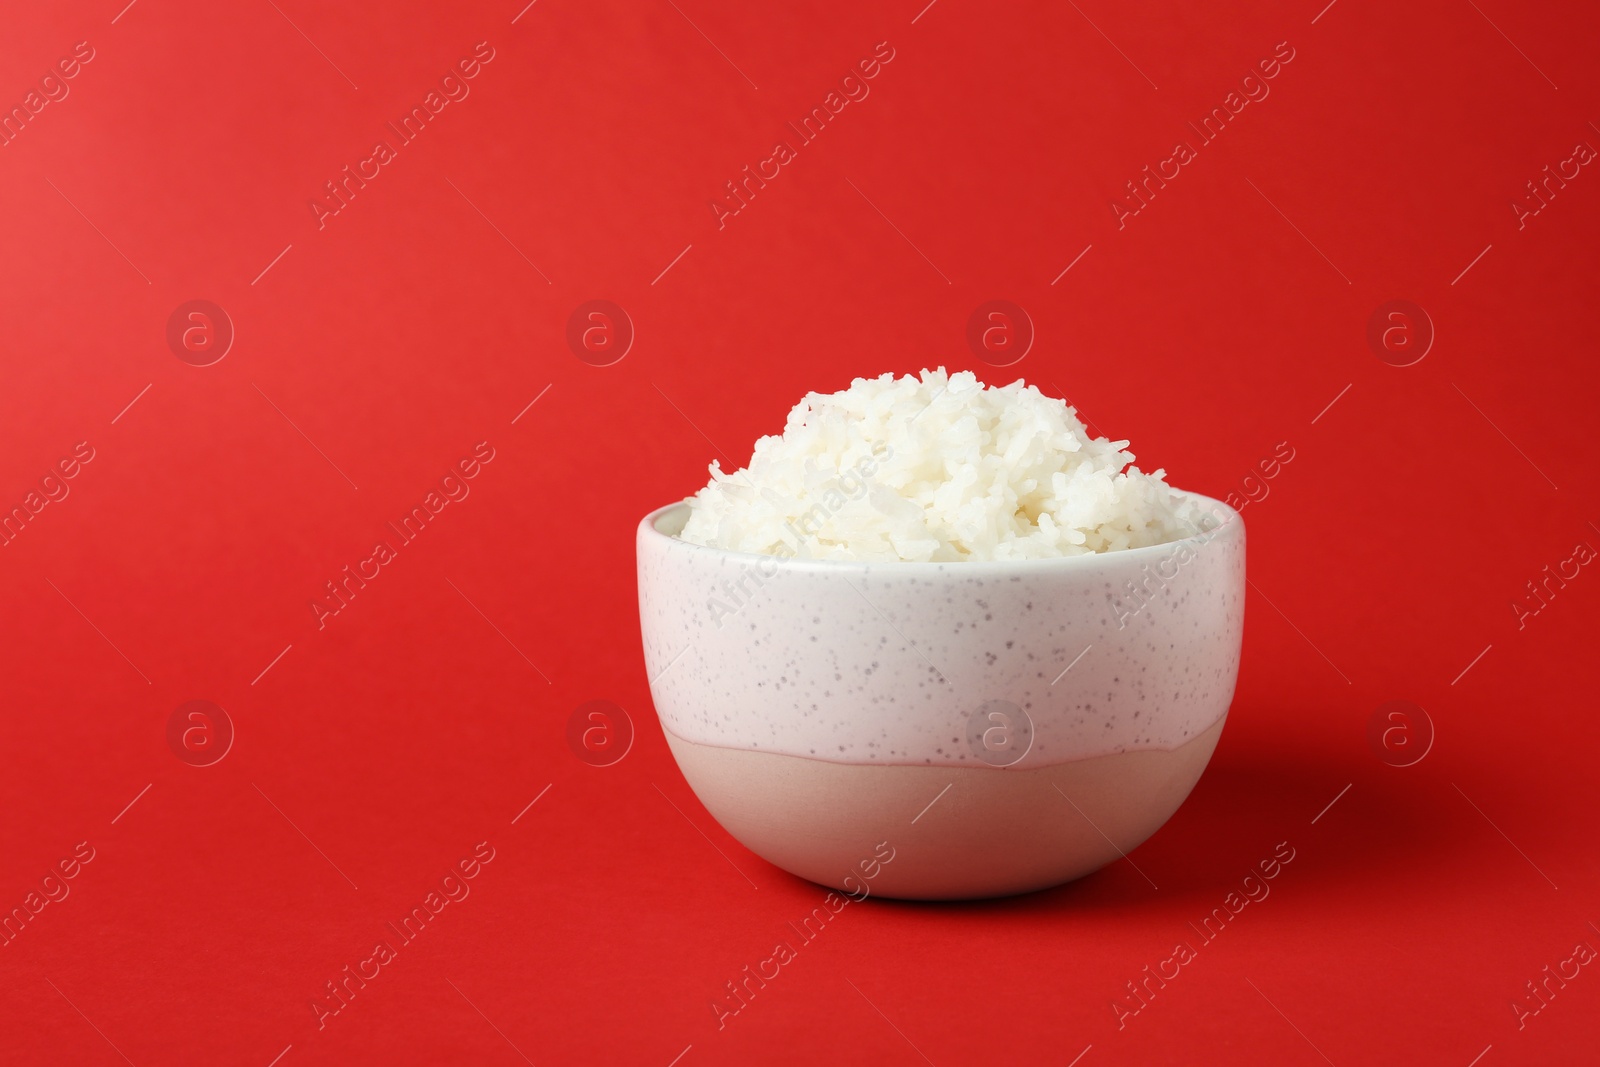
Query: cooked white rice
[[937, 468]]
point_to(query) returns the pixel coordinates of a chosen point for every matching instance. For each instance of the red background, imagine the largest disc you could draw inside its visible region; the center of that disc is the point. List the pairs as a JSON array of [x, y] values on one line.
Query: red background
[[378, 349]]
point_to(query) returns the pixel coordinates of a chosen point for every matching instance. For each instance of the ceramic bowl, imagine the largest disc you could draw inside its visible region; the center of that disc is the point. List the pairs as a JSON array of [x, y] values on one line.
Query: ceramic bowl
[[994, 727]]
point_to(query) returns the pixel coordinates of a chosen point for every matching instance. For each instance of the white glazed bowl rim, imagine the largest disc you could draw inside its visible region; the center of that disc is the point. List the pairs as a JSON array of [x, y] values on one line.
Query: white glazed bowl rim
[[1231, 525]]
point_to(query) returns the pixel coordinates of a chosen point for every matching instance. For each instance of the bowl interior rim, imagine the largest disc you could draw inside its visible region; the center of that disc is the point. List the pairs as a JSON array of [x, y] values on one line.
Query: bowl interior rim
[[1230, 528]]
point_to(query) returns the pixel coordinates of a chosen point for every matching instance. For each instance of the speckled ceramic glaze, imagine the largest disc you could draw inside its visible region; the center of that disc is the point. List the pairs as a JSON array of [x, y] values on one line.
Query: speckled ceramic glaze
[[983, 674]]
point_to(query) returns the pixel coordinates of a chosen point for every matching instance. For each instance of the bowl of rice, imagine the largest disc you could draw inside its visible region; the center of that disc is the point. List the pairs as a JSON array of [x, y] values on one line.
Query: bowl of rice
[[942, 622]]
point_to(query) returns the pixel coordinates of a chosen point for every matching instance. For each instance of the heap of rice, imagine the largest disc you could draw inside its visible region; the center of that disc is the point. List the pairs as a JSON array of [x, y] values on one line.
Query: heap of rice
[[936, 468]]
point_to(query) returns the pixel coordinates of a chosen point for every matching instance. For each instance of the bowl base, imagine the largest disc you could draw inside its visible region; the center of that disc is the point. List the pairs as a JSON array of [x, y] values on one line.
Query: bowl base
[[955, 832]]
